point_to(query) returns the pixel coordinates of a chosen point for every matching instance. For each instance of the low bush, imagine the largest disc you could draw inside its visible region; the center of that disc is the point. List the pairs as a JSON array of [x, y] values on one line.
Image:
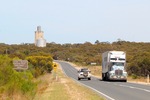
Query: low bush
[[134, 76], [40, 64]]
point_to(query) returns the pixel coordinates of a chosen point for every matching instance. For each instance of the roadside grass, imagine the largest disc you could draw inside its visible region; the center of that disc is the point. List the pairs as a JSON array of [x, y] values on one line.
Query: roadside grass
[[96, 70], [63, 88], [138, 80]]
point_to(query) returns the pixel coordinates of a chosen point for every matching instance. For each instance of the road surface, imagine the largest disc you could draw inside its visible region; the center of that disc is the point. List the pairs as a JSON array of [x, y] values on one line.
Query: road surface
[[110, 90]]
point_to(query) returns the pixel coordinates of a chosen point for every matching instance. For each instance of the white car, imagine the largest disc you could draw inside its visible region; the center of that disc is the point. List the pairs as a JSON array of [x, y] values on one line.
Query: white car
[[84, 73]]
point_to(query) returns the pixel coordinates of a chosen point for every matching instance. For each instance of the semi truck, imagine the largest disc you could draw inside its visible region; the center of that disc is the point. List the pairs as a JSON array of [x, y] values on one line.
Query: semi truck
[[114, 66]]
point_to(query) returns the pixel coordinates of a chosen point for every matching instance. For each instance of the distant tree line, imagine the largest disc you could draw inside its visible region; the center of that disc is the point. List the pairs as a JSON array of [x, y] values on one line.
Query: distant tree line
[[138, 54]]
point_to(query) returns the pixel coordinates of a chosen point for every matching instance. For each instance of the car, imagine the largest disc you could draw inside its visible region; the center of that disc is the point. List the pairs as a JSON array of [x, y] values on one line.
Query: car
[[84, 73]]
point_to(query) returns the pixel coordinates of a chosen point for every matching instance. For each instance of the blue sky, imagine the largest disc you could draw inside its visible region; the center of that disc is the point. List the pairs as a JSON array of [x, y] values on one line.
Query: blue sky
[[75, 21]]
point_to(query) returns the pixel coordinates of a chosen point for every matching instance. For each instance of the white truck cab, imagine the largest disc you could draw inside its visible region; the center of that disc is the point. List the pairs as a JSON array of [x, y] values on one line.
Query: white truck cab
[[114, 65]]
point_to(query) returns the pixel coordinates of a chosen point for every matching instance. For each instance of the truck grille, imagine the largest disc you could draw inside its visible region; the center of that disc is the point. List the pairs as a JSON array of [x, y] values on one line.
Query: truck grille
[[118, 72]]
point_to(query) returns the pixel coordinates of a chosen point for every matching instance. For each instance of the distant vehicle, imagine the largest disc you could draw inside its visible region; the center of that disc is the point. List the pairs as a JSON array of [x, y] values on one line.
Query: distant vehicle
[[84, 73], [113, 66]]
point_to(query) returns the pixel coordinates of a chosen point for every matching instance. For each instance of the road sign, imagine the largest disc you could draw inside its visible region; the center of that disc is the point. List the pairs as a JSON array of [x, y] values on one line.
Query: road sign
[[55, 70], [20, 64], [54, 67]]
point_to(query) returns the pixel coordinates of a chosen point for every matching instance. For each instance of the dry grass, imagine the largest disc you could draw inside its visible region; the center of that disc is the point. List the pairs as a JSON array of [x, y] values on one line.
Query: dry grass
[[140, 80], [96, 70], [15, 96]]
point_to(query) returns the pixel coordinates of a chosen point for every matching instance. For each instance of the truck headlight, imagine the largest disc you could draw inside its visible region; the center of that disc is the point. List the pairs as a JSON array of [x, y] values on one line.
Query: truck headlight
[[125, 74]]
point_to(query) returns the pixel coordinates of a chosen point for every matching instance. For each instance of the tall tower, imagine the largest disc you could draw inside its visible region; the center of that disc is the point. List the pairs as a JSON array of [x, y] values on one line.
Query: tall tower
[[38, 34], [39, 37]]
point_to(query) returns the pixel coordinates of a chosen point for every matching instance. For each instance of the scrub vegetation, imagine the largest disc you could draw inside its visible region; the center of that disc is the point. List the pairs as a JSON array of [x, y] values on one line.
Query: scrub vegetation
[[138, 54], [22, 85]]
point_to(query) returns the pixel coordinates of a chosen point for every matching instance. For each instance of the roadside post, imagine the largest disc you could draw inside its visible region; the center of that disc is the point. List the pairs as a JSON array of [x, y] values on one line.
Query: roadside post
[[147, 79], [55, 71]]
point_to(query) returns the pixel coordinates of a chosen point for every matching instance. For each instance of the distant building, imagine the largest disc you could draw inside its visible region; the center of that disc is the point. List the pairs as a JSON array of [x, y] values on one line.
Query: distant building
[[39, 38]]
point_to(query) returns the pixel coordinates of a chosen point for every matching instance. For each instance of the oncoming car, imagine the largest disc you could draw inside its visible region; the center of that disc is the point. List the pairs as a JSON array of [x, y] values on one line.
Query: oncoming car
[[84, 73]]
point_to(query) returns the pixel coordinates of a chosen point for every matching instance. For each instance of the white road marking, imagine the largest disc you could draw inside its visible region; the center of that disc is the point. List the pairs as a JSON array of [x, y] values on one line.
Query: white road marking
[[94, 90], [135, 88]]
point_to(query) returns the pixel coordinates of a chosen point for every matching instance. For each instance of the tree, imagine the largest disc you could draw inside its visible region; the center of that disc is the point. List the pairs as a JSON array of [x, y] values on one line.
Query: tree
[[97, 42]]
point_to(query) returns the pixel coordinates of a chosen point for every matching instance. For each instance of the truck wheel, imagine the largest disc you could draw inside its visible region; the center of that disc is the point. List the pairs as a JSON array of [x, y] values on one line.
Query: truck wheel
[[125, 81], [89, 78], [78, 78], [103, 77], [107, 76]]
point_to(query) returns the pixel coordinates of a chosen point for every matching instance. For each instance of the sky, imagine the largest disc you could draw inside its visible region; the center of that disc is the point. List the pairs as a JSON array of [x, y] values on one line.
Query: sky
[[75, 21]]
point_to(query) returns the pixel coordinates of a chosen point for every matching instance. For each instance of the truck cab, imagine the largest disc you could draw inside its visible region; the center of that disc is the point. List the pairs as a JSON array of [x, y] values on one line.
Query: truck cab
[[114, 66]]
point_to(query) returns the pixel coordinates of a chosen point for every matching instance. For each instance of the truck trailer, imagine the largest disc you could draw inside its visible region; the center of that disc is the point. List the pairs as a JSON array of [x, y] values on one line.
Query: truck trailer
[[114, 66]]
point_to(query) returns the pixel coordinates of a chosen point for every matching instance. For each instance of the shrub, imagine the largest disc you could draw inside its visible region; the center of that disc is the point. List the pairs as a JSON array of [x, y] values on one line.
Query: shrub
[[11, 81], [134, 76], [40, 64]]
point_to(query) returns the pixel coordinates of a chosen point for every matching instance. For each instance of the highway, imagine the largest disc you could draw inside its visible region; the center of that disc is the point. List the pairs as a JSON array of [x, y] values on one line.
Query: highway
[[109, 90]]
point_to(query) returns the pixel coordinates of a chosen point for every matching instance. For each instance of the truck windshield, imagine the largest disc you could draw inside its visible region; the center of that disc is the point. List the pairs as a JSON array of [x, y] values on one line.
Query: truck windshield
[[117, 66]]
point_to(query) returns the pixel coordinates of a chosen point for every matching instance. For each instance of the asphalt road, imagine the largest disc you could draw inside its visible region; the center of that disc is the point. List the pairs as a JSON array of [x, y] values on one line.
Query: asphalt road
[[110, 90]]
